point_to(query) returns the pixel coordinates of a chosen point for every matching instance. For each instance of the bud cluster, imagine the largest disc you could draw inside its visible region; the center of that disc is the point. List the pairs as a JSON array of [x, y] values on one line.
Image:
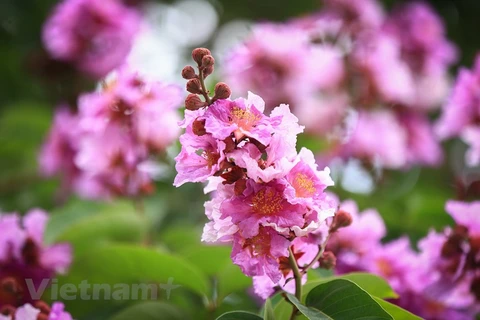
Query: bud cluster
[[196, 82]]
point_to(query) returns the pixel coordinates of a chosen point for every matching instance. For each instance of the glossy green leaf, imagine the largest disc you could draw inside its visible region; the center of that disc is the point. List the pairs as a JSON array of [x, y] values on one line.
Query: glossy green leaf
[[310, 313], [395, 311], [231, 279], [124, 264], [150, 310], [374, 285], [210, 259], [239, 315], [343, 299]]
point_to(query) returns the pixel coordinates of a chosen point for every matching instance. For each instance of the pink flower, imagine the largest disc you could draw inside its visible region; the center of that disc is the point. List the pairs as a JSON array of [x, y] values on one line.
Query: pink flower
[[465, 214], [425, 51], [384, 260], [107, 149], [199, 158], [306, 184], [262, 204], [358, 14], [259, 255], [23, 254], [58, 152], [28, 312], [378, 135], [378, 58], [241, 117], [353, 244], [423, 147], [461, 112], [471, 135], [95, 36], [279, 70]]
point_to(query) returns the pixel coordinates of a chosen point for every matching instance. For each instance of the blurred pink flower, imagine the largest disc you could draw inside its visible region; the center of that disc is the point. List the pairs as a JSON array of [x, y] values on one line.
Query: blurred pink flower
[[95, 36], [24, 255]]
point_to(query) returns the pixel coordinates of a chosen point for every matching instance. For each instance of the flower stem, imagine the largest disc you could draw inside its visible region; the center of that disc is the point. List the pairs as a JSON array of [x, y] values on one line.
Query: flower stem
[[321, 250], [204, 88], [298, 280]]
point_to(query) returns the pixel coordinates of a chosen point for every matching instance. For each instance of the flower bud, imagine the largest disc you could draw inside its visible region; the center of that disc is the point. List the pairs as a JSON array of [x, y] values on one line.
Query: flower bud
[[199, 53], [193, 102], [188, 73], [198, 127], [208, 71], [222, 91], [328, 260], [194, 86], [341, 219], [208, 61]]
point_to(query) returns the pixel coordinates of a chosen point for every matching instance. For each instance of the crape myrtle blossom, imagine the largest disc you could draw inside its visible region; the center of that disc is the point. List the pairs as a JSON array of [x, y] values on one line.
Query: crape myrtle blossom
[[267, 198], [108, 147], [372, 62], [24, 256], [440, 281], [95, 36], [461, 113], [41, 311]]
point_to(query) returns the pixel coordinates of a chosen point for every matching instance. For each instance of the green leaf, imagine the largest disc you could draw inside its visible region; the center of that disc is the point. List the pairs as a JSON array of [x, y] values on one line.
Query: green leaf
[[374, 285], [239, 315], [231, 279], [102, 229], [343, 299], [395, 311], [124, 264], [208, 258], [150, 310], [268, 311], [310, 313]]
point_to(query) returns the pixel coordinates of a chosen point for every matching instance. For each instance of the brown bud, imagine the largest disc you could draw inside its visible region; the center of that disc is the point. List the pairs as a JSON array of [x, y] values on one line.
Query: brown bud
[[208, 71], [188, 73], [222, 91], [194, 86], [42, 306], [193, 102], [199, 53], [7, 310], [341, 219], [208, 61], [328, 260], [198, 127], [240, 186]]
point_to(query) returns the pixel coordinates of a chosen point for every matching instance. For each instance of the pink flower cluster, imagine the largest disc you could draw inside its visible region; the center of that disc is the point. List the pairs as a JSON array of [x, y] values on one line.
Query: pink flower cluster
[[107, 148], [441, 281], [353, 57], [95, 36], [23, 255], [43, 312], [461, 114], [267, 196]]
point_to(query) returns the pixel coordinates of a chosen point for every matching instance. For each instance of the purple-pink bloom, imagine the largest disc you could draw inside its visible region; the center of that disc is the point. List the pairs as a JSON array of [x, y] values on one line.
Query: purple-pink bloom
[[352, 245], [95, 36], [259, 255], [243, 118], [107, 148], [466, 214], [263, 204], [378, 136], [23, 255]]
